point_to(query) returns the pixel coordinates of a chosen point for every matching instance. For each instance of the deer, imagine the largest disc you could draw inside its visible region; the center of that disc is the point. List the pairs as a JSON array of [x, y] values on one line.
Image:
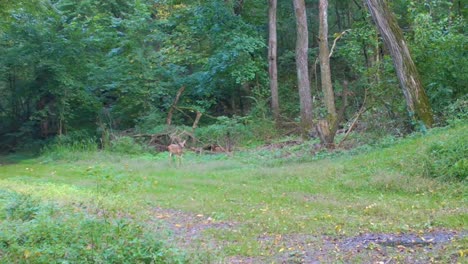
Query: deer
[[176, 149]]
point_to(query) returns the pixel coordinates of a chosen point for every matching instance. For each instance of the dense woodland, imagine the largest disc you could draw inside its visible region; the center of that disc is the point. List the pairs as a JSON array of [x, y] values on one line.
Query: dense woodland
[[226, 70]]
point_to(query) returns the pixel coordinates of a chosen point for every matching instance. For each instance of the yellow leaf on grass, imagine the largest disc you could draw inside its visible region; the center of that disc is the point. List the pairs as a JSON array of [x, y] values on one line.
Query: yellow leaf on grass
[[338, 228]]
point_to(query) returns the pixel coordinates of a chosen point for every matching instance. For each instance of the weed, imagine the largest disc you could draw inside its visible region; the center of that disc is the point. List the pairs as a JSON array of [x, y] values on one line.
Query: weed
[[126, 145], [57, 237], [448, 160]]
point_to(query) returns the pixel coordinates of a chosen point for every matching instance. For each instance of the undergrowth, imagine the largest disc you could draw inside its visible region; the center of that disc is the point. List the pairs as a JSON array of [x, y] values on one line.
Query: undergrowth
[[448, 160], [35, 232]]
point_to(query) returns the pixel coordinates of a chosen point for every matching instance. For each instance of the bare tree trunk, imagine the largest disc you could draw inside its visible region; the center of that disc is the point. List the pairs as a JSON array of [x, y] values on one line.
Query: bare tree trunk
[[174, 105], [416, 99], [325, 73], [302, 43], [197, 119], [272, 56]]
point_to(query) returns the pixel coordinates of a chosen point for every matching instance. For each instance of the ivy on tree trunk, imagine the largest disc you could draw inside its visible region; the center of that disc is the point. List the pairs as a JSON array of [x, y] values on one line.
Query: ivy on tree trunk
[[416, 99]]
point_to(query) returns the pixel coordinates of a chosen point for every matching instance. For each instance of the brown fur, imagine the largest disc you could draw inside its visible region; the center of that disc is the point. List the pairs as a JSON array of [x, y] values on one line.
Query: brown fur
[[177, 149]]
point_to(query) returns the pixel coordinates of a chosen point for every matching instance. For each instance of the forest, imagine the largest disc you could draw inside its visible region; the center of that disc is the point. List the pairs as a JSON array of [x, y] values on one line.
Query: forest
[[299, 131]]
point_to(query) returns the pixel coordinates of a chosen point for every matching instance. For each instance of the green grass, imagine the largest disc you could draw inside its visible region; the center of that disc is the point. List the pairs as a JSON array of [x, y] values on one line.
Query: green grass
[[380, 190]]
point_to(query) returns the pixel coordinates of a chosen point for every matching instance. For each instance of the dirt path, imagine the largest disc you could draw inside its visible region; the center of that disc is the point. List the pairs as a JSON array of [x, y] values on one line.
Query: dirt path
[[187, 232], [187, 229]]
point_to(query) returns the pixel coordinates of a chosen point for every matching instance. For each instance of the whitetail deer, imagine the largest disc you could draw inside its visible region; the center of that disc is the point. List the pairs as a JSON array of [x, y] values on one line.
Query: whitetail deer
[[176, 149]]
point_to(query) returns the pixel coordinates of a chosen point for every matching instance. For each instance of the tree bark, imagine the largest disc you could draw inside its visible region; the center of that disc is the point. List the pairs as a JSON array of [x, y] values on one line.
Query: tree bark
[[197, 119], [416, 99], [325, 74], [272, 59], [302, 43], [174, 105]]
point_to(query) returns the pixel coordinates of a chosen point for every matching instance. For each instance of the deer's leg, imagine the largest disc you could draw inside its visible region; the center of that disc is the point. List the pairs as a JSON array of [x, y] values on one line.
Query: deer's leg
[[171, 157]]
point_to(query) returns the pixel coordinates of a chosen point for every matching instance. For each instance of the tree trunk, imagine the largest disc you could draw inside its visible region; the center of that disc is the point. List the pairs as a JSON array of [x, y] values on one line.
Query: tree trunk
[[272, 55], [416, 99], [174, 105], [325, 73], [197, 119], [302, 42]]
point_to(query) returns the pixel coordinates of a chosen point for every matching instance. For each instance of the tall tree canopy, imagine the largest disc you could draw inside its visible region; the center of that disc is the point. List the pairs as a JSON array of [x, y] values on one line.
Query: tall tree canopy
[[86, 67]]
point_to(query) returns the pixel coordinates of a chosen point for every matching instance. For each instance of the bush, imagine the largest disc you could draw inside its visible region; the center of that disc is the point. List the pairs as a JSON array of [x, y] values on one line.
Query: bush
[[236, 131], [448, 160], [226, 131], [35, 233], [21, 207], [458, 110], [69, 146], [126, 145]]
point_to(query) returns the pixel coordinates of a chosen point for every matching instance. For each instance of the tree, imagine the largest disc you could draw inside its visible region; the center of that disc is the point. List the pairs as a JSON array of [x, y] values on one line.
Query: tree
[[272, 58], [302, 43], [416, 99], [326, 128]]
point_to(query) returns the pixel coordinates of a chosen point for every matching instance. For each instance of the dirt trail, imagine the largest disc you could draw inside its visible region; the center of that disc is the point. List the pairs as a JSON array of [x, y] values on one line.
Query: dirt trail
[[187, 229], [187, 232]]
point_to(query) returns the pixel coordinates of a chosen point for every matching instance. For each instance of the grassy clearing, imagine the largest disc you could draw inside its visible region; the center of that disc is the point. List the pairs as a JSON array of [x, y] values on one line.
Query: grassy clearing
[[270, 201]]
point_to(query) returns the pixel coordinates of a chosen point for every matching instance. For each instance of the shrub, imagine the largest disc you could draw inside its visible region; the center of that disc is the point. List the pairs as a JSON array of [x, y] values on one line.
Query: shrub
[[66, 146], [36, 233], [21, 207], [126, 145], [458, 110], [448, 160], [236, 131], [226, 131]]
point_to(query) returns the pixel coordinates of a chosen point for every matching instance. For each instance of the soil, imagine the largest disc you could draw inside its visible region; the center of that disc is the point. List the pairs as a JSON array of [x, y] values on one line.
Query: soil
[[187, 231]]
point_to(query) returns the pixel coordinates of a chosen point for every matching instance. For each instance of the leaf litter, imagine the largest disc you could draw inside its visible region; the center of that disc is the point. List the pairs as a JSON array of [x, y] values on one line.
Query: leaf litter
[[187, 232]]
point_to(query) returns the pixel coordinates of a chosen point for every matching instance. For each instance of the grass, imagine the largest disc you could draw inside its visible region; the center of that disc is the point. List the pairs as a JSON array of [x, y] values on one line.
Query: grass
[[265, 198]]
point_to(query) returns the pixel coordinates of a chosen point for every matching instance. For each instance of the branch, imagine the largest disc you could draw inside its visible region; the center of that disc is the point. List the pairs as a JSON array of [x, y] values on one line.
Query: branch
[[357, 4], [362, 110], [197, 119], [171, 110], [336, 39], [180, 110]]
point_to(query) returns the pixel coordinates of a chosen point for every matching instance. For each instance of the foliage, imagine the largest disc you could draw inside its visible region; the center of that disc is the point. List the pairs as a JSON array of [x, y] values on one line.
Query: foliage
[[126, 145], [226, 131], [448, 160], [458, 110], [236, 131], [100, 67], [33, 232], [440, 51], [70, 145], [20, 207]]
